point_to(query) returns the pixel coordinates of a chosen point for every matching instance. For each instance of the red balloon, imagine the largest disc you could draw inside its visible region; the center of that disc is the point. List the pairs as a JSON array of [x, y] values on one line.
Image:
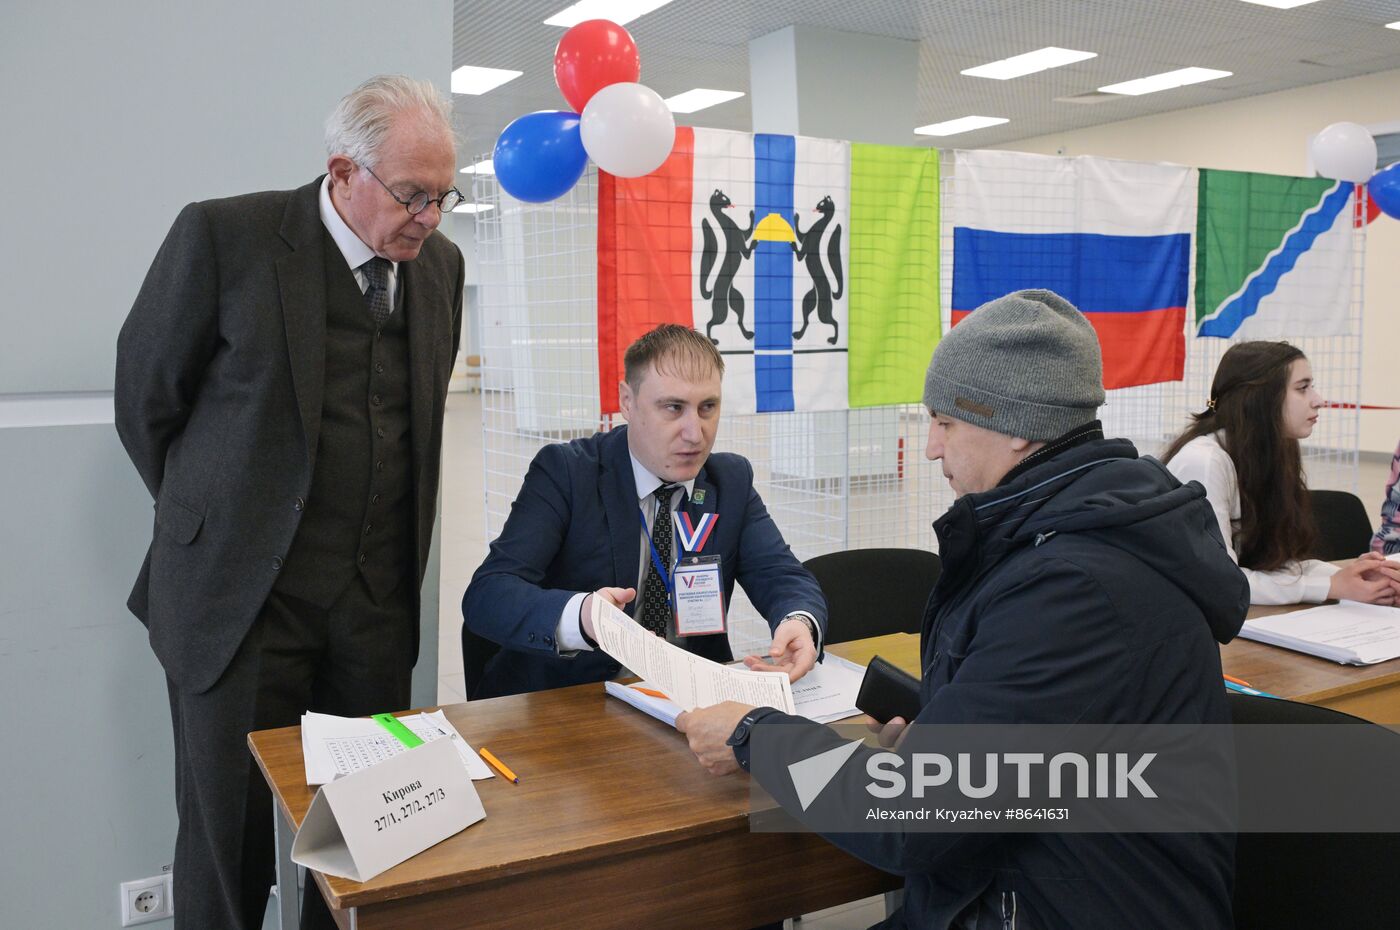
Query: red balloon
[[592, 55]]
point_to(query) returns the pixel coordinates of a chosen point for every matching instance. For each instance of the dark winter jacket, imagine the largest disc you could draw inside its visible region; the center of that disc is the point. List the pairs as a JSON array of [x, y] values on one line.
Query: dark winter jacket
[[1090, 588]]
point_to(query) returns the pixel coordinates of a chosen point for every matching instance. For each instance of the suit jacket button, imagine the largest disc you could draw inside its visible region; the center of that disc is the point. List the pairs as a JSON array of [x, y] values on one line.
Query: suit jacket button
[[549, 640], [276, 563], [300, 504], [363, 558], [532, 637]]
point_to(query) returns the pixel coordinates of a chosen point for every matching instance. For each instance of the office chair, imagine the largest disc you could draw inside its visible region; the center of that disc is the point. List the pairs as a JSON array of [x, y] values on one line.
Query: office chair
[[871, 592], [1343, 526], [1309, 880]]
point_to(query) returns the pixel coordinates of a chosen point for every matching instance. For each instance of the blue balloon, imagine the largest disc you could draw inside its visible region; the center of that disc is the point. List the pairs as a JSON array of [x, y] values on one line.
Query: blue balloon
[[540, 156], [1384, 189]]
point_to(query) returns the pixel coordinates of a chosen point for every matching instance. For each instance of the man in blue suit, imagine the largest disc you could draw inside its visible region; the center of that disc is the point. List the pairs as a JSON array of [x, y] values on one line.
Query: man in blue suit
[[610, 515]]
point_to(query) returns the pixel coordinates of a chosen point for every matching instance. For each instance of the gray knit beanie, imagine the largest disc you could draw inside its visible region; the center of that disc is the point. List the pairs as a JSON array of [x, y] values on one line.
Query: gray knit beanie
[[1027, 365]]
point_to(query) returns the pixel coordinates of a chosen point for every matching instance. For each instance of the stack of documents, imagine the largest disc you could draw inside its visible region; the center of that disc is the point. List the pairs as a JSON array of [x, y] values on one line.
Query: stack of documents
[[688, 680], [335, 746], [1348, 632], [825, 694]]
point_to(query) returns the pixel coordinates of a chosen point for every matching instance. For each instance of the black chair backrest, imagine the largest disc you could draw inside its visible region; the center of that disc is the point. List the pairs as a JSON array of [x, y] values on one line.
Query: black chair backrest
[[1308, 880], [476, 652], [871, 592], [1343, 526]]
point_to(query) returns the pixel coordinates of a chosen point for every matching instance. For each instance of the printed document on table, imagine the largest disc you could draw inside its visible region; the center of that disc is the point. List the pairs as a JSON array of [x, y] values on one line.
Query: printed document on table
[[334, 746], [690, 681], [825, 694], [828, 692], [1349, 632]]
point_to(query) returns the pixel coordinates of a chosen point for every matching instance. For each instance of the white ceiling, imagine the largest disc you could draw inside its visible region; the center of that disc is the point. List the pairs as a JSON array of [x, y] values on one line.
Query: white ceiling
[[704, 43]]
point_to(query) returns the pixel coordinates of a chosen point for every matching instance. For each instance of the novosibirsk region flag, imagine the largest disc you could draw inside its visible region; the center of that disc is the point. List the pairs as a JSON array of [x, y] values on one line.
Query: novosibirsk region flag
[[811, 263], [1274, 255]]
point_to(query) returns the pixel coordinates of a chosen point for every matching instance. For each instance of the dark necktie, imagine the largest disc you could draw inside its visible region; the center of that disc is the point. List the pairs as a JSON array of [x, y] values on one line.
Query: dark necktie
[[376, 272], [654, 613]]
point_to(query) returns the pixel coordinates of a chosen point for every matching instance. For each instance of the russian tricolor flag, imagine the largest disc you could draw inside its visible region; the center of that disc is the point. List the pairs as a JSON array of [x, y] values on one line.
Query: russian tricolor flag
[[1112, 237]]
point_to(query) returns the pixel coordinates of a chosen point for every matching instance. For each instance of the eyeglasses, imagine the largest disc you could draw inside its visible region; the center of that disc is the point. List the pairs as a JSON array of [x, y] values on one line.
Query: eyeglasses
[[418, 202]]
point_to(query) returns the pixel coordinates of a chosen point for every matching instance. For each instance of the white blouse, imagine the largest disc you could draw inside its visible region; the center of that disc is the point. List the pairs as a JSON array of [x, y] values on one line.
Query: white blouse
[[1203, 459]]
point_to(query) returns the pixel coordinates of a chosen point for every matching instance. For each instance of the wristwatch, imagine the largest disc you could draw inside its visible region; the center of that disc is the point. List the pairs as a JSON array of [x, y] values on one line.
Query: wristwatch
[[808, 621], [740, 736], [739, 740]]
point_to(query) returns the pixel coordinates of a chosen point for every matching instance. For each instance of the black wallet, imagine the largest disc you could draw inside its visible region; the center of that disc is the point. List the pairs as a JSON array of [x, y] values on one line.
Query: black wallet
[[887, 692]]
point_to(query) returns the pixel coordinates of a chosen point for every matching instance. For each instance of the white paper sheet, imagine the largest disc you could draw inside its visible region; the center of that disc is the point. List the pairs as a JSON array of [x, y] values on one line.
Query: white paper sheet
[[1348, 632], [828, 692], [334, 746], [689, 680], [825, 694]]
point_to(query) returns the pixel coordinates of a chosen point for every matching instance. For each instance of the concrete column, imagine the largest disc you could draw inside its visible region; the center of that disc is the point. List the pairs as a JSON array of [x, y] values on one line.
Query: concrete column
[[834, 85]]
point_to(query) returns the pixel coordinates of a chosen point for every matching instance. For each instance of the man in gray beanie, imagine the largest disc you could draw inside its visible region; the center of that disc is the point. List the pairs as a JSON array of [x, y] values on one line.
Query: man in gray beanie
[[1081, 584]]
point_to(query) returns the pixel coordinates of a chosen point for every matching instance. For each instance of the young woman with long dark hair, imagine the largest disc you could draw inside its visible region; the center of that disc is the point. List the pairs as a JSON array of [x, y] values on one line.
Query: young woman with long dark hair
[[1244, 449]]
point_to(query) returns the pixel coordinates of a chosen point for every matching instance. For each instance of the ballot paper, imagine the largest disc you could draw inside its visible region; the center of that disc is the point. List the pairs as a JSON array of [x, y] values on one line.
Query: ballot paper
[[1349, 632], [828, 692], [335, 746], [690, 681], [825, 694]]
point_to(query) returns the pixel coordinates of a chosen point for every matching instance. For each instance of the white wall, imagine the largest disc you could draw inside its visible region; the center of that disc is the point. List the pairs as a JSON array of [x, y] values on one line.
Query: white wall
[[114, 116], [1270, 133]]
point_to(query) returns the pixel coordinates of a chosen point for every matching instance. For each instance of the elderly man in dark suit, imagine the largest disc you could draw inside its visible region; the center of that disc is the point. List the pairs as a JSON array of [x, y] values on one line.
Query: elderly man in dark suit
[[280, 387], [610, 516]]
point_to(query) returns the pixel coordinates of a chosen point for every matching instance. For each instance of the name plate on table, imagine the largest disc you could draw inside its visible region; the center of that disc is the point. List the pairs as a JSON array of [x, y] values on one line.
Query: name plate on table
[[364, 823]]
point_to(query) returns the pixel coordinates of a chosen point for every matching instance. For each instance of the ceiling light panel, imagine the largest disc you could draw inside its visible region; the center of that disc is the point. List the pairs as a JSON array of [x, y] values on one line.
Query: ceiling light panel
[[1165, 81], [963, 124], [469, 79], [619, 11], [699, 99], [1029, 63], [1281, 4]]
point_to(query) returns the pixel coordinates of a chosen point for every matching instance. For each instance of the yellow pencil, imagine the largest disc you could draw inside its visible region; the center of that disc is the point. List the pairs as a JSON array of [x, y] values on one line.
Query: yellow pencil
[[498, 765]]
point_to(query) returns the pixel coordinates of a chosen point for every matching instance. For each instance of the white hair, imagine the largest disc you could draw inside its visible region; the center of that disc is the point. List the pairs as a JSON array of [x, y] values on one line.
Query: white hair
[[358, 124]]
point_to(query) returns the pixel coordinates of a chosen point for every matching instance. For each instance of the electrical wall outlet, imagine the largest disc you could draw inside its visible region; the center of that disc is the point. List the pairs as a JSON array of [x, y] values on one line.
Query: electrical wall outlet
[[147, 900]]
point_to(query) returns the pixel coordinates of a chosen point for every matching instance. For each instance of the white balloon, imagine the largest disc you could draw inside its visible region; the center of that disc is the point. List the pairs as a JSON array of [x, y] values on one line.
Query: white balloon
[[1344, 152], [627, 129]]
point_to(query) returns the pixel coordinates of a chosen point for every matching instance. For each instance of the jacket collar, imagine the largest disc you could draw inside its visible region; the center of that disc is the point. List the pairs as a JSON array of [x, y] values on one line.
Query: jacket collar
[[301, 281]]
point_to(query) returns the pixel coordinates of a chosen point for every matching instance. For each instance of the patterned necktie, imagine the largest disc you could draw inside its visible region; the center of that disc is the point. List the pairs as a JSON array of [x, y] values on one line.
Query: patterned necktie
[[376, 272], [655, 611]]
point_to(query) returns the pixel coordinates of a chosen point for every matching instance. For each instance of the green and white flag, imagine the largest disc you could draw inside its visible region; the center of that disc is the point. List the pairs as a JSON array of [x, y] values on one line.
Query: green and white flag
[[1274, 255]]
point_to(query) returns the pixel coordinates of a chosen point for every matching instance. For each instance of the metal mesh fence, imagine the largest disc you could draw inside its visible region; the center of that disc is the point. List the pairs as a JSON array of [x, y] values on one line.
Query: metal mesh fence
[[832, 481]]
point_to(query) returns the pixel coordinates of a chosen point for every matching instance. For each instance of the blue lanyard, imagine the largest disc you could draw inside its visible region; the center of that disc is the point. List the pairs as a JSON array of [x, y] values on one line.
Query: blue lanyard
[[656, 556]]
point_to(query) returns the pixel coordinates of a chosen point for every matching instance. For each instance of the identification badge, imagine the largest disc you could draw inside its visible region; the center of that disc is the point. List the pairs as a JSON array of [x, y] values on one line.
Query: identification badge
[[699, 594]]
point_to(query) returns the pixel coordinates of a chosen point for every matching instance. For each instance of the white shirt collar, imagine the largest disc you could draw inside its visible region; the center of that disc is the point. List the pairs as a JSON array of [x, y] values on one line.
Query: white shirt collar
[[354, 250], [647, 483]]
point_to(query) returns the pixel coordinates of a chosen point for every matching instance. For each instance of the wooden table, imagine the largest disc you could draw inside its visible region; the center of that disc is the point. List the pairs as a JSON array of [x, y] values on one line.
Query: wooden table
[[1365, 691], [1370, 691], [613, 824]]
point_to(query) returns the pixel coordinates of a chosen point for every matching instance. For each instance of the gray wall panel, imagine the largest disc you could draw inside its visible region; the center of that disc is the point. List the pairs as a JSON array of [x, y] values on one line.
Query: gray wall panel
[[115, 116]]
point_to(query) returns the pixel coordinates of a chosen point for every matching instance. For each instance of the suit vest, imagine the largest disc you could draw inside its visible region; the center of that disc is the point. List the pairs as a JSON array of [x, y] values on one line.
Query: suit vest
[[358, 515]]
